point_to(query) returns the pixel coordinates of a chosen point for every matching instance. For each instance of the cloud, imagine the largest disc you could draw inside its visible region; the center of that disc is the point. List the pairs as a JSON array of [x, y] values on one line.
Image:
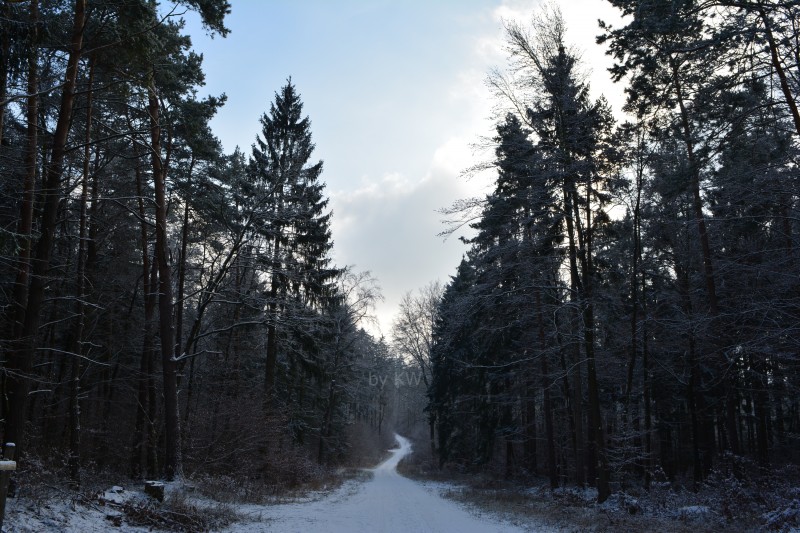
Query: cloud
[[581, 18], [390, 225], [390, 222], [396, 112], [518, 10]]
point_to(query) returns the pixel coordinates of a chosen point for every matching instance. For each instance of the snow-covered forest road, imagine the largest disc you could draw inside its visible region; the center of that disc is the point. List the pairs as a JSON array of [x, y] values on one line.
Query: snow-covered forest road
[[387, 503]]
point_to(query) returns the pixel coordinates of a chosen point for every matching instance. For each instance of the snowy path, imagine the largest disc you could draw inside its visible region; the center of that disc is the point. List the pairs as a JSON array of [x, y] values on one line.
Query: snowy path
[[387, 503]]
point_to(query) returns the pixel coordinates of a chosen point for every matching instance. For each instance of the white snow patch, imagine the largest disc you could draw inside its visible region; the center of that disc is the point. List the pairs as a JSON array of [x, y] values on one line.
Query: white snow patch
[[690, 511], [787, 519], [26, 517], [117, 494]]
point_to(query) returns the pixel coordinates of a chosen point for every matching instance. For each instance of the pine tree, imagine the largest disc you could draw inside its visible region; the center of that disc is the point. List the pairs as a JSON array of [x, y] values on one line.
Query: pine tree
[[695, 77], [296, 230], [451, 353], [575, 134]]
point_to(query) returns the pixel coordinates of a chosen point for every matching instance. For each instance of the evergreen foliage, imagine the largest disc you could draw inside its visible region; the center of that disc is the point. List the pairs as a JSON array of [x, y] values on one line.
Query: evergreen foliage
[[647, 342], [153, 281]]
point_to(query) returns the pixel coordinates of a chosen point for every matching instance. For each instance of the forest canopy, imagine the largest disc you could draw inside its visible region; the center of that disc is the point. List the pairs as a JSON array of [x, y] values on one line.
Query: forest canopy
[[165, 304], [627, 309]]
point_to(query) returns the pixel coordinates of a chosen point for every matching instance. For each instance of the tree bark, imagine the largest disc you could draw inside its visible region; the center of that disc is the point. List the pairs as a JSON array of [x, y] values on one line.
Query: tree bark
[[646, 397], [595, 416], [272, 330], [172, 451], [693, 394], [697, 201], [142, 430], [528, 407], [5, 50], [19, 300], [633, 412], [182, 269], [80, 294], [574, 348], [20, 358], [776, 63], [552, 467]]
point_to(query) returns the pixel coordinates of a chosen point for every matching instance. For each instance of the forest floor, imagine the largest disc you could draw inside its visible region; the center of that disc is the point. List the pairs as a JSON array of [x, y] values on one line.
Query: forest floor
[[373, 500], [724, 504], [421, 499]]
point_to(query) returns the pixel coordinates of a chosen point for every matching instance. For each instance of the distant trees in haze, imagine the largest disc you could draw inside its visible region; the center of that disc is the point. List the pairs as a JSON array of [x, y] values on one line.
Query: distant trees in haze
[[412, 337]]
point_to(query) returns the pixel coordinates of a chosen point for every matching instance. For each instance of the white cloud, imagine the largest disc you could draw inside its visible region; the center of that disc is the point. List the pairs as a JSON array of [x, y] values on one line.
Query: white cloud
[[389, 226], [581, 18], [389, 222], [518, 10], [396, 111]]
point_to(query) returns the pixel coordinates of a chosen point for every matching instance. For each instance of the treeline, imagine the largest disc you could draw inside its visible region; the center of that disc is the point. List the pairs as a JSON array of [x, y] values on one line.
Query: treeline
[[628, 307], [165, 303]]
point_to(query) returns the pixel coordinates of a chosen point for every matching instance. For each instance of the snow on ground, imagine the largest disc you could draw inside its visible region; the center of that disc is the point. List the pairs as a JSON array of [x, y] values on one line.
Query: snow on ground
[[387, 503], [25, 516]]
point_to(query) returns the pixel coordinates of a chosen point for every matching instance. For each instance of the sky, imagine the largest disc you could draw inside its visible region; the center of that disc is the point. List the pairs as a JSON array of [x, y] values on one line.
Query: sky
[[396, 94]]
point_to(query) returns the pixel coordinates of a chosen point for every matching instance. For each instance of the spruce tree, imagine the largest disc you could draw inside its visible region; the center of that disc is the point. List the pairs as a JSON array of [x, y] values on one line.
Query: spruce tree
[[296, 227]]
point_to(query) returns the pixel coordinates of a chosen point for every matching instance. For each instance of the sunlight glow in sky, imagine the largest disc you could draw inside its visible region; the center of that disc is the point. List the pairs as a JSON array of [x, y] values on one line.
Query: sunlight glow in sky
[[396, 95]]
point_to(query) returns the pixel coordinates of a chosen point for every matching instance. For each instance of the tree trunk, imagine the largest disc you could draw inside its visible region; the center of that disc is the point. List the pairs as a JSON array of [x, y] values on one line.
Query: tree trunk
[[5, 50], [19, 299], [693, 395], [172, 430], [325, 432], [529, 408], [760, 401], [182, 269], [646, 392], [552, 467], [629, 411], [637, 254], [710, 283], [509, 458], [80, 294], [574, 347], [776, 64], [142, 430], [595, 416], [272, 331], [20, 358]]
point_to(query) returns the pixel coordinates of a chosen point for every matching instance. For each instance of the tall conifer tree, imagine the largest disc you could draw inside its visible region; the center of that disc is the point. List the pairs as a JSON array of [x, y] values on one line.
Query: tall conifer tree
[[297, 229]]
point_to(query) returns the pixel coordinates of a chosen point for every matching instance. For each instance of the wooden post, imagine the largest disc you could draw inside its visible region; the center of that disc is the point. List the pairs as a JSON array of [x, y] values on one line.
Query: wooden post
[[7, 465]]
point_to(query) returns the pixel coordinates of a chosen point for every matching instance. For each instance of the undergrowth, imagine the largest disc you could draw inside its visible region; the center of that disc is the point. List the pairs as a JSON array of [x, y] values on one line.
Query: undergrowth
[[734, 498]]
